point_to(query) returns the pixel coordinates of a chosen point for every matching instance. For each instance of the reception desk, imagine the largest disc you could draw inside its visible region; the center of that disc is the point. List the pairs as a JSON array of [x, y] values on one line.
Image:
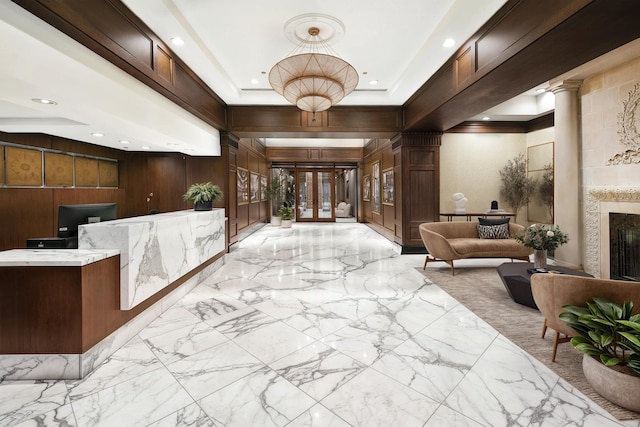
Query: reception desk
[[63, 312], [156, 250]]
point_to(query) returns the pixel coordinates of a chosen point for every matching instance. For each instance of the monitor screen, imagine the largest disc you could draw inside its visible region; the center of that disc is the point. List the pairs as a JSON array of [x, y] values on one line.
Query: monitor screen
[[71, 216]]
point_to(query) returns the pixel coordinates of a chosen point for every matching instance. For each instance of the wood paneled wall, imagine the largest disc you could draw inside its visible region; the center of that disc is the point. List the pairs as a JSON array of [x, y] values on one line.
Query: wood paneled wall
[[33, 212]]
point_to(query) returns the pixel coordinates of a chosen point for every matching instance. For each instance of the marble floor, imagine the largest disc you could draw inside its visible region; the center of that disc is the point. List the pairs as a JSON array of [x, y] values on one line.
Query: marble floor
[[317, 325]]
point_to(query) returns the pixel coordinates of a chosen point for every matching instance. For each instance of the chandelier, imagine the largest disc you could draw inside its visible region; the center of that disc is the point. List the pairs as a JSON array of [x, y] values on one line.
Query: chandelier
[[313, 77]]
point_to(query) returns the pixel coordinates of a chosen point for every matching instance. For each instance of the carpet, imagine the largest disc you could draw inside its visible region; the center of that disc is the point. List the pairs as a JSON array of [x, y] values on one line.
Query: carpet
[[481, 291]]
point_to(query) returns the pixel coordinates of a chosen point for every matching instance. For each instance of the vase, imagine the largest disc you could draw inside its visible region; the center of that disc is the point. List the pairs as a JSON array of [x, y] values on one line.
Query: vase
[[540, 258], [203, 206], [618, 387]]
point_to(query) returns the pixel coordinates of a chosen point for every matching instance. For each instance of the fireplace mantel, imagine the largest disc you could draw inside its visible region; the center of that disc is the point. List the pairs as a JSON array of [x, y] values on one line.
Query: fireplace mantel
[[599, 201]]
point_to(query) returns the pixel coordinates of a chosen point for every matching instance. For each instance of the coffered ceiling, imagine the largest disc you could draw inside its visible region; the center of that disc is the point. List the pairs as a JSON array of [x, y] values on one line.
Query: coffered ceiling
[[231, 45]]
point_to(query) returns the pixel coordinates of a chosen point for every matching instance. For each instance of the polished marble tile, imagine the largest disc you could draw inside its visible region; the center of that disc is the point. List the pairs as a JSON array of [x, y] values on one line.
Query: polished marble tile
[[320, 325], [262, 398], [210, 370], [373, 399], [136, 402], [317, 369]]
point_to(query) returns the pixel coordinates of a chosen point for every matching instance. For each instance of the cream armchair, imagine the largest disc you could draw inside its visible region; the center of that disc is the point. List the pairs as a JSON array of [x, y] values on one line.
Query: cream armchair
[[553, 291], [343, 210]]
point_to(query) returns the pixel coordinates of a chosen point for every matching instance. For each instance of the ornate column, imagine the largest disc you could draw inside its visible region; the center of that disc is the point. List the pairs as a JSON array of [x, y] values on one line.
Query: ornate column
[[567, 200]]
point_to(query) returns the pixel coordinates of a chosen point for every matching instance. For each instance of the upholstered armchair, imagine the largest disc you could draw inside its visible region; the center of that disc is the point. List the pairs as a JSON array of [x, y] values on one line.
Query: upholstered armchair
[[343, 210], [553, 291]]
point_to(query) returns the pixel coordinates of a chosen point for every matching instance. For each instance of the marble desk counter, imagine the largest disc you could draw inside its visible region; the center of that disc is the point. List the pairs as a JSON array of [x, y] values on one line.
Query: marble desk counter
[[156, 250], [53, 257]]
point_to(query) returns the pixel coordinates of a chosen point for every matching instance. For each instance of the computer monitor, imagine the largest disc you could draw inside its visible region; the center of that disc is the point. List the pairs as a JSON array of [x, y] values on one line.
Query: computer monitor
[[71, 216]]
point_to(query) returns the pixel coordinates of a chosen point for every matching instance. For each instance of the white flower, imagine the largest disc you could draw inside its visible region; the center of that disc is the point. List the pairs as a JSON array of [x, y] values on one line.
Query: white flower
[[550, 233], [533, 225]]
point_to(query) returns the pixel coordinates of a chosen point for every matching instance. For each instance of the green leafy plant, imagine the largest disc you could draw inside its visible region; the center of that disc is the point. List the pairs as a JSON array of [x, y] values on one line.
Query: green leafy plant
[[286, 213], [606, 330], [516, 188], [275, 191], [538, 236], [545, 188], [204, 192]]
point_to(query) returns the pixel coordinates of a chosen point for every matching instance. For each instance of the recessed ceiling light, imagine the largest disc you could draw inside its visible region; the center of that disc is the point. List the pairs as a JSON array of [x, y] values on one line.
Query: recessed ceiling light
[[124, 141], [448, 42], [44, 101], [541, 90], [144, 147], [177, 41], [486, 118], [373, 82], [255, 81], [97, 134]]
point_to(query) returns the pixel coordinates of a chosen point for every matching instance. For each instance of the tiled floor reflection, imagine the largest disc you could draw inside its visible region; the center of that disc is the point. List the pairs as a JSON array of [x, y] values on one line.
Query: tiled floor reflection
[[318, 325]]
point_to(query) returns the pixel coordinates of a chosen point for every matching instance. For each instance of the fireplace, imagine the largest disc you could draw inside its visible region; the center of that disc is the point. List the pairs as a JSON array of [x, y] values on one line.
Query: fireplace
[[624, 246]]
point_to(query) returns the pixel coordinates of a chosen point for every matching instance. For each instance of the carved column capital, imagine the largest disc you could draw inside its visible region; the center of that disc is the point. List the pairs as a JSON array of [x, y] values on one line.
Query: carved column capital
[[565, 86]]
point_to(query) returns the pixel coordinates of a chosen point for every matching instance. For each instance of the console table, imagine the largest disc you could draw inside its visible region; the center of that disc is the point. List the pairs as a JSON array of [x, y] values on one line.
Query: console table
[[517, 280], [451, 215]]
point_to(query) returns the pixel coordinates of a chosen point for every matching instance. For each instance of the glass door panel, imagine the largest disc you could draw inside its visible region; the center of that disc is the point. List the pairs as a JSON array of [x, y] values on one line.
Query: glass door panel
[[325, 195], [305, 202]]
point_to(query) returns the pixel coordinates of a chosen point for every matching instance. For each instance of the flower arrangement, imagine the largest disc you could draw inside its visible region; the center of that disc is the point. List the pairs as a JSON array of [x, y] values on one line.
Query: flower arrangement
[[538, 237]]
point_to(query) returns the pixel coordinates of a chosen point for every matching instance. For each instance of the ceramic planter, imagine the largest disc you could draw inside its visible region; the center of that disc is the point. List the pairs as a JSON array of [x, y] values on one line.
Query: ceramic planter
[[203, 206], [617, 387], [276, 221], [286, 223]]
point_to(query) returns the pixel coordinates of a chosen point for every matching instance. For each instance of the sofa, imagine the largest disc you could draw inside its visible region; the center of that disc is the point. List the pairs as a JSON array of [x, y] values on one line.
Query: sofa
[[343, 210], [449, 241], [553, 291]]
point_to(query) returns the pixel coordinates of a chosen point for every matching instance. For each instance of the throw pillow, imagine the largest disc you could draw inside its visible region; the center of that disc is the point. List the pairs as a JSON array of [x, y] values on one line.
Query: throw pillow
[[493, 221], [500, 231]]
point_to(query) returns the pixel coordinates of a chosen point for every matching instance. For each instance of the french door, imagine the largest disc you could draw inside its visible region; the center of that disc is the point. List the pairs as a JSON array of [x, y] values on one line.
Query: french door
[[315, 195]]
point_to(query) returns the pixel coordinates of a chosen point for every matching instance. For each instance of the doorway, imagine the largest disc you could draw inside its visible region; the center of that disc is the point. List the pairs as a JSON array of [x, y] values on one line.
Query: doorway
[[315, 195]]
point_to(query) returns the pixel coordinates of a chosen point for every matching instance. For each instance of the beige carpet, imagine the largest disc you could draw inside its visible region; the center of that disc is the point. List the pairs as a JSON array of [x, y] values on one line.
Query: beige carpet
[[481, 290]]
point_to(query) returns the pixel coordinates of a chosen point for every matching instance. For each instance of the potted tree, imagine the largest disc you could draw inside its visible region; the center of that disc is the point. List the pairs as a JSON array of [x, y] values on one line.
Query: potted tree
[[203, 195], [286, 213], [275, 193], [516, 188], [609, 337]]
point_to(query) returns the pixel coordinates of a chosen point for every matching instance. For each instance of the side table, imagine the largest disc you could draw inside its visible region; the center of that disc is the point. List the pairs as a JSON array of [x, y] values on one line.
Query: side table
[[517, 280]]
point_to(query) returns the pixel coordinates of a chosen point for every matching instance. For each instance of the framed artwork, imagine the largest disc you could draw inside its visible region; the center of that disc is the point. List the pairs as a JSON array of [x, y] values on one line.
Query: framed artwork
[[242, 186], [86, 172], [366, 188], [254, 187], [263, 187], [540, 168], [376, 187], [24, 166], [387, 187], [58, 170], [108, 173]]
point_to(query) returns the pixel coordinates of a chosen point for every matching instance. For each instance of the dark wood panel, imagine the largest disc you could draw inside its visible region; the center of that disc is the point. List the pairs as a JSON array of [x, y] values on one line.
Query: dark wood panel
[[25, 213], [465, 66], [348, 122], [164, 65], [529, 59], [34, 140], [195, 94], [166, 179], [370, 118], [40, 310], [421, 207]]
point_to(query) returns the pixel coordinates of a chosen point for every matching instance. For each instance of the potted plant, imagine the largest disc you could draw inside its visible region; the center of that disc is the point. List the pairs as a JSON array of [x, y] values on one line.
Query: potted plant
[[516, 188], [203, 195], [275, 193], [286, 213], [609, 337], [541, 239]]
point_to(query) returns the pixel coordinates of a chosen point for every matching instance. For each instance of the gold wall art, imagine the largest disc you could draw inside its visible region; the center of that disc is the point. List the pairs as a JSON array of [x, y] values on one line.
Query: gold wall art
[[24, 167], [58, 170]]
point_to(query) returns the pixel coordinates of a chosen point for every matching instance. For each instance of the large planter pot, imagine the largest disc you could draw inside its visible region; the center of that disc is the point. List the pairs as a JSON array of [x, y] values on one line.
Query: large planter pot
[[617, 387], [287, 223], [203, 206], [276, 220]]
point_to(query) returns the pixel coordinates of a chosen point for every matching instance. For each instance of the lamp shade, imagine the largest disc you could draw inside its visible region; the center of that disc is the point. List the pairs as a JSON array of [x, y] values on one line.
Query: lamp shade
[[313, 81]]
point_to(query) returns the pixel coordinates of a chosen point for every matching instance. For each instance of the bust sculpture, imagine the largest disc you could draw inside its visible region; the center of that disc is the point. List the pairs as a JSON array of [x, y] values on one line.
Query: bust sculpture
[[461, 203]]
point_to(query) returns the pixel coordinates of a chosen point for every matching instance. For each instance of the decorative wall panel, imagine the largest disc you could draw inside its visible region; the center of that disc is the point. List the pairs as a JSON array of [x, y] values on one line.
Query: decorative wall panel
[[24, 166], [58, 170], [86, 172], [108, 173]]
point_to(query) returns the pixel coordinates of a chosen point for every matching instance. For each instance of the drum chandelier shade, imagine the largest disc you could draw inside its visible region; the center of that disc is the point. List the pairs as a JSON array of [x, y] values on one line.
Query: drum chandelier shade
[[313, 81]]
